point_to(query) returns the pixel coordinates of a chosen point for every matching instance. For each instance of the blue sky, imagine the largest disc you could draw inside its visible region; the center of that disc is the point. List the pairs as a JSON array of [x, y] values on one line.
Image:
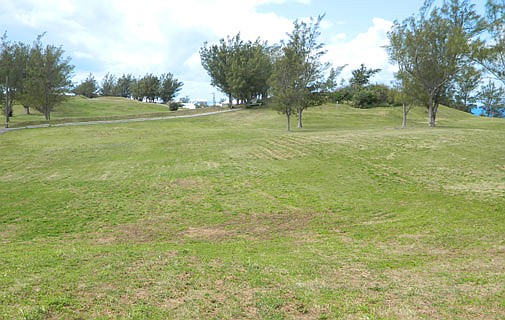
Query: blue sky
[[153, 36]]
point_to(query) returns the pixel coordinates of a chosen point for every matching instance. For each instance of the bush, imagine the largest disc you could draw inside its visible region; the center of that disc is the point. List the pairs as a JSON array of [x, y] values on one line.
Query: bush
[[364, 98], [174, 106]]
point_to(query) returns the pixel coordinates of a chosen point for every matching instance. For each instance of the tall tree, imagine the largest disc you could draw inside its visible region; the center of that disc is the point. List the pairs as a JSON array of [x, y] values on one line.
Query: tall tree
[[88, 87], [48, 77], [299, 73], [216, 60], [431, 48], [169, 87]]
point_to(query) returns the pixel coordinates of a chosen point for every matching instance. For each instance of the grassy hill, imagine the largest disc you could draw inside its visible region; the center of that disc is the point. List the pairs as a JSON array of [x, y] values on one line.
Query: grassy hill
[[232, 217], [79, 108]]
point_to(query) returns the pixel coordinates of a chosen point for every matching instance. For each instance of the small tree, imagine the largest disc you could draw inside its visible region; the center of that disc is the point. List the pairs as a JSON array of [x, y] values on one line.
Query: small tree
[[465, 84], [285, 87], [493, 99], [88, 87], [109, 85]]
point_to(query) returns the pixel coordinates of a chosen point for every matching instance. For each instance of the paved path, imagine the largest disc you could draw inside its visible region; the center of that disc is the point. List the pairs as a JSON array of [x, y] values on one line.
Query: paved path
[[86, 123]]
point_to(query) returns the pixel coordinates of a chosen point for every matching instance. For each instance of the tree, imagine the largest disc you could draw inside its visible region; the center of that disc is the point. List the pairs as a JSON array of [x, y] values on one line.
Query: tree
[[8, 74], [493, 99], [216, 60], [250, 69], [87, 87], [238, 68], [124, 86], [465, 84], [285, 87], [169, 87], [109, 85], [48, 77], [361, 77], [298, 74], [148, 87], [13, 64], [432, 48], [409, 95]]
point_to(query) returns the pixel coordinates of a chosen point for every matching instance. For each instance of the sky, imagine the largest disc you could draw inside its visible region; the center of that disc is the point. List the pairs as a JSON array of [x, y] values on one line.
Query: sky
[[161, 36]]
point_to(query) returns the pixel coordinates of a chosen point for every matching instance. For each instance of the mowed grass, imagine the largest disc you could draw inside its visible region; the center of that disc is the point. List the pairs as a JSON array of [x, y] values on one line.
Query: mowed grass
[[231, 217], [79, 108]]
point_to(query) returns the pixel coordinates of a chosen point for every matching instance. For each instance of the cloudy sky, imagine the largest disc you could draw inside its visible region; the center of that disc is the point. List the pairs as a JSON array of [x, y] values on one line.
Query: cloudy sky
[[160, 36]]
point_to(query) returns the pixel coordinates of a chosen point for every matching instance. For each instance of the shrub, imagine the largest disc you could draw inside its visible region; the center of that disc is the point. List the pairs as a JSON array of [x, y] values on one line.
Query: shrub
[[174, 106]]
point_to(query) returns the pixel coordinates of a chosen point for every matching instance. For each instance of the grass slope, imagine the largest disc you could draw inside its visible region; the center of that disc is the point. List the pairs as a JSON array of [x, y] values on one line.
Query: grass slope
[[79, 108], [231, 217]]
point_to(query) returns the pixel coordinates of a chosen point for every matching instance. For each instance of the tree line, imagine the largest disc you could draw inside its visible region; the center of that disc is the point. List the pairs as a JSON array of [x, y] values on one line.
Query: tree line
[[148, 88], [38, 76], [445, 54]]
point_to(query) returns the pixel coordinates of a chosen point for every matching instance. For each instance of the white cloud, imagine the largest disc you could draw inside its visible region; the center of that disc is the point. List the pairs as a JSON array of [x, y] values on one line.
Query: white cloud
[[366, 48], [152, 36]]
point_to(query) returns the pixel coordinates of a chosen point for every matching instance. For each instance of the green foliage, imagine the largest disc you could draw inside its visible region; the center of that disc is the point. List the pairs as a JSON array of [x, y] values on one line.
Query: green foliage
[[431, 48], [174, 106], [124, 85], [298, 75], [373, 96], [463, 94], [361, 77], [343, 94], [48, 77], [492, 98], [14, 58], [109, 86], [88, 87], [169, 87], [239, 69], [491, 54]]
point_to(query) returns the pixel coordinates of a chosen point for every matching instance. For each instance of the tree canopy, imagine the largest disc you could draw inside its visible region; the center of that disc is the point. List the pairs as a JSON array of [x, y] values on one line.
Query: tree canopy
[[238, 68], [432, 47]]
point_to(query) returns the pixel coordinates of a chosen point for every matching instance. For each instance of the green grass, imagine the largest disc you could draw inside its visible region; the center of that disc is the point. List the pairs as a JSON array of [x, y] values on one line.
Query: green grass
[[79, 109], [231, 217]]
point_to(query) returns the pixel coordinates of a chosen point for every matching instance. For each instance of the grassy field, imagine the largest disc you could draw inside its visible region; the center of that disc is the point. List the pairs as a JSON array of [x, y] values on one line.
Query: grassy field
[[80, 108], [231, 217]]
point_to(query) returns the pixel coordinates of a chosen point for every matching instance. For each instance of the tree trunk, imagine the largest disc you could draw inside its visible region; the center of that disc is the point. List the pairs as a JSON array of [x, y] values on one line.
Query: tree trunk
[[288, 118], [404, 120], [7, 111], [432, 112], [27, 109], [299, 116], [47, 115], [230, 100]]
